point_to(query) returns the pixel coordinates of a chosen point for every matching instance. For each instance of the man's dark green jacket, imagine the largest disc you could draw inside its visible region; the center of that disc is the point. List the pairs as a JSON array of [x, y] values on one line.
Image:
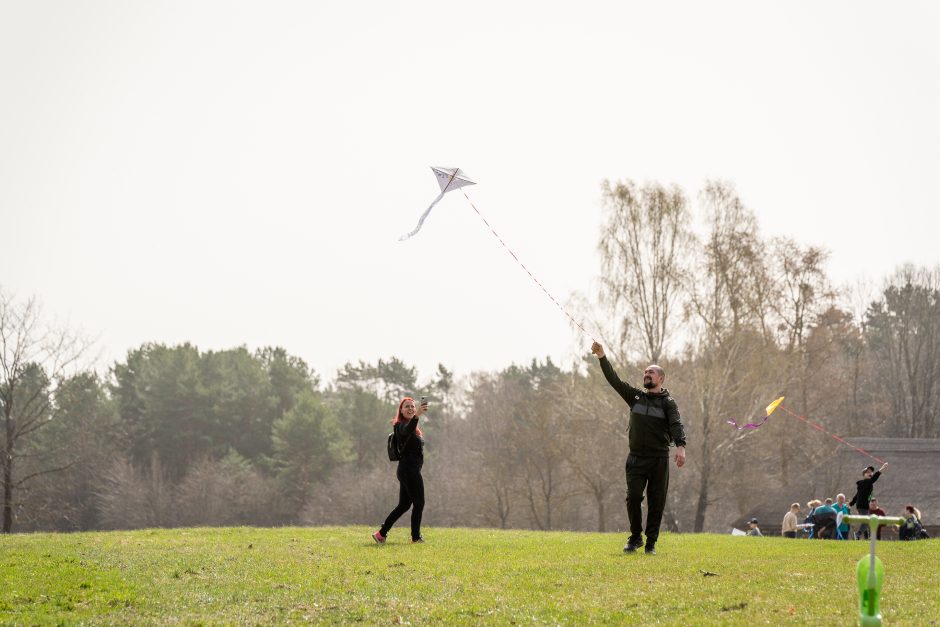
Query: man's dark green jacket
[[654, 418]]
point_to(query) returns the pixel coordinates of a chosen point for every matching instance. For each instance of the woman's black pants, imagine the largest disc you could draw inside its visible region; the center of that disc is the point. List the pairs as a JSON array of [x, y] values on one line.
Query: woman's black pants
[[410, 494]]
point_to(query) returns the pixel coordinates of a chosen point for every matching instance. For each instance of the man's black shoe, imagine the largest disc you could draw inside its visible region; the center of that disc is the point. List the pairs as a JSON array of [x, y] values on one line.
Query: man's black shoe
[[650, 549], [632, 545]]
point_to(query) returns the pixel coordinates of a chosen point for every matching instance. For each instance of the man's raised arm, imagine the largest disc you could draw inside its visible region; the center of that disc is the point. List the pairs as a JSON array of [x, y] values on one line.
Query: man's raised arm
[[627, 391]]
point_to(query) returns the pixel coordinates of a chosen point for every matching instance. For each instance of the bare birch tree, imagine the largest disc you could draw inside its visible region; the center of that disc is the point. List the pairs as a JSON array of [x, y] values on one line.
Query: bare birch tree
[[725, 332], [643, 245], [802, 294]]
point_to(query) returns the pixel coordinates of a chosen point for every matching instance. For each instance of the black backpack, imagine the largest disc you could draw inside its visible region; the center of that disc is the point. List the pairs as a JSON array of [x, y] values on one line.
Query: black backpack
[[394, 451]]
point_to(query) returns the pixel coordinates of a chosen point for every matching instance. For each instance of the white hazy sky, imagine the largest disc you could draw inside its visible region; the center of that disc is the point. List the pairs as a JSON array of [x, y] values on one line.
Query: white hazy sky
[[233, 173]]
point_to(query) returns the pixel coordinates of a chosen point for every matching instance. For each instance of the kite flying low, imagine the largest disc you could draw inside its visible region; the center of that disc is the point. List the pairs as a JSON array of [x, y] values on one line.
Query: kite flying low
[[773, 406], [449, 179]]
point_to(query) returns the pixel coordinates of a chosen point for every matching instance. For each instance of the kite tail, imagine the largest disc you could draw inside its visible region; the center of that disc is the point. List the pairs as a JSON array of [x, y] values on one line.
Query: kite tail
[[750, 425], [754, 425], [421, 219]]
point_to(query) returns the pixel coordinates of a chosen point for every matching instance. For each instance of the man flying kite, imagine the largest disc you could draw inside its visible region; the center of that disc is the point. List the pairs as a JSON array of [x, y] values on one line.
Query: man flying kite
[[654, 424]]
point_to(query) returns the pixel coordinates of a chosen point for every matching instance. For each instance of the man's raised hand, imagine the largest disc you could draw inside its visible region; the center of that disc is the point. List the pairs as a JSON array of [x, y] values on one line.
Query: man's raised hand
[[598, 350]]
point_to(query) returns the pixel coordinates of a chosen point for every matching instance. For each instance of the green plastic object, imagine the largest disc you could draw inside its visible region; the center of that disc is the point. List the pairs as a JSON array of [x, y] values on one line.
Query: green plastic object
[[870, 571], [869, 590]]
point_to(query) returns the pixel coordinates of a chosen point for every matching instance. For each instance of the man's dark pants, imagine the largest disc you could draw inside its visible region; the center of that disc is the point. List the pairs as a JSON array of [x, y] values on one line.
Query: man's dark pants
[[652, 475], [863, 530]]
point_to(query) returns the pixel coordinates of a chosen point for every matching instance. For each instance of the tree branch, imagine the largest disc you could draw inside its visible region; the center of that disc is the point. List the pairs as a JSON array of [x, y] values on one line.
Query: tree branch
[[42, 472]]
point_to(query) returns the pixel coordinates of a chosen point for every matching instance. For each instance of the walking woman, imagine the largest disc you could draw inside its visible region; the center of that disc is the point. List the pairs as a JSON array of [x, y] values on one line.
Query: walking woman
[[410, 442]]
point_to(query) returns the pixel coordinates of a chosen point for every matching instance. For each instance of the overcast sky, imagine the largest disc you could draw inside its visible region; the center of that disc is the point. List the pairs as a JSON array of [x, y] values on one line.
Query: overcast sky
[[231, 173]]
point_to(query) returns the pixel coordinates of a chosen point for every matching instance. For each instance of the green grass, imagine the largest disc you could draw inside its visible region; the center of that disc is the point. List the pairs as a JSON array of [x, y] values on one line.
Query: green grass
[[331, 575]]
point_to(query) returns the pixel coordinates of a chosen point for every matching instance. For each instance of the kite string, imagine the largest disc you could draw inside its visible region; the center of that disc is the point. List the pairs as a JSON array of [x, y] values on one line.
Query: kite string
[[842, 440], [522, 265]]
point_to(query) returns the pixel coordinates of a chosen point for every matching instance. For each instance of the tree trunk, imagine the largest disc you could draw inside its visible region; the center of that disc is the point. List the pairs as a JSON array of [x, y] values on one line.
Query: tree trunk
[[702, 501], [7, 492], [601, 512], [8, 425], [702, 504]]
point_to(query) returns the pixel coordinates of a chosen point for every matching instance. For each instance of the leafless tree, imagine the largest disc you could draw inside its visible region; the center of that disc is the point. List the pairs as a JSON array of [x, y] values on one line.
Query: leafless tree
[[594, 439], [492, 400], [34, 358], [725, 330], [803, 293], [135, 498], [543, 470], [225, 492], [643, 244]]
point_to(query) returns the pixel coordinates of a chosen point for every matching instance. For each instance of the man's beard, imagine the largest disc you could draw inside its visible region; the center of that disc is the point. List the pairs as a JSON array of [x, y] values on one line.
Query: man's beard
[[648, 384]]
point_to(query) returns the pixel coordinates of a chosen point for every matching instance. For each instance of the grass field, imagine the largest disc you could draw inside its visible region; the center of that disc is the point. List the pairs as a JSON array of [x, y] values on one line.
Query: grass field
[[333, 575]]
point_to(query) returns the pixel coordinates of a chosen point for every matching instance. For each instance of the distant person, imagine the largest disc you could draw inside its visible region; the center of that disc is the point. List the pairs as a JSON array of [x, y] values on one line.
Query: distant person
[[845, 510], [654, 423], [824, 519], [789, 528], [808, 523], [863, 493], [912, 529], [754, 529], [811, 506], [411, 485], [875, 510]]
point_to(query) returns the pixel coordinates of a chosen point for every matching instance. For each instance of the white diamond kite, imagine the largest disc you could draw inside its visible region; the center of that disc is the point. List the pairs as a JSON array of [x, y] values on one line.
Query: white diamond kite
[[449, 179]]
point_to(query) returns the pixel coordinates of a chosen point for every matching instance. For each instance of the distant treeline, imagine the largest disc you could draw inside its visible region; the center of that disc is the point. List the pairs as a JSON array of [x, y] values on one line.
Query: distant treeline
[[173, 436]]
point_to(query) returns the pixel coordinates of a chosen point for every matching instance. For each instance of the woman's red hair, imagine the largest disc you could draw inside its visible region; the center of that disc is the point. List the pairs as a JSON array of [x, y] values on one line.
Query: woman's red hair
[[398, 419]]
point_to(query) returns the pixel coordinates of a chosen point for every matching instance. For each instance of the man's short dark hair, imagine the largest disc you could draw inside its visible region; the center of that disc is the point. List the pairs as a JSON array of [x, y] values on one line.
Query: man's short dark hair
[[867, 468]]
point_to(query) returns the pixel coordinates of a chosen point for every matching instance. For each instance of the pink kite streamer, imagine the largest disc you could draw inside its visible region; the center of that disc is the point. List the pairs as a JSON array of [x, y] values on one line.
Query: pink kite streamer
[[754, 425]]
